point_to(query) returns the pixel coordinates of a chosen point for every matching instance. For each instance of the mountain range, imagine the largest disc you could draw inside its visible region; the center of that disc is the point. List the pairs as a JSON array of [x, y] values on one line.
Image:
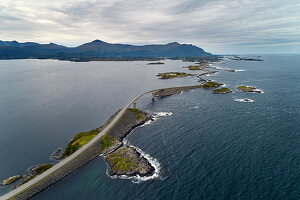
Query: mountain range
[[97, 50]]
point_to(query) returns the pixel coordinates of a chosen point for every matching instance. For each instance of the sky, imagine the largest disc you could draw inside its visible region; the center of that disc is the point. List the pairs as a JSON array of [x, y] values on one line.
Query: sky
[[217, 26]]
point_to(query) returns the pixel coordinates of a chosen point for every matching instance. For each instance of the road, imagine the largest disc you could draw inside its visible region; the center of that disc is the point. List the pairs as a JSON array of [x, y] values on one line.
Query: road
[[63, 162]]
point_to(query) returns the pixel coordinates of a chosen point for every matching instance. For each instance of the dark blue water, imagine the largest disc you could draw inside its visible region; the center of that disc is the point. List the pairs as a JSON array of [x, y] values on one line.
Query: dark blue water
[[211, 147]]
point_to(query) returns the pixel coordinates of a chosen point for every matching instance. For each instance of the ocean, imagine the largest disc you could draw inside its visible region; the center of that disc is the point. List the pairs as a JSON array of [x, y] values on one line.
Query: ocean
[[206, 146]]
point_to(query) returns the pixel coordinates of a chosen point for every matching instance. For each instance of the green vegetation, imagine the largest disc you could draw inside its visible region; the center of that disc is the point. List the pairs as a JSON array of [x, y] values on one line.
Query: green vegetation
[[194, 67], [139, 114], [210, 85], [221, 91], [107, 141], [119, 161], [37, 171], [79, 140], [170, 75]]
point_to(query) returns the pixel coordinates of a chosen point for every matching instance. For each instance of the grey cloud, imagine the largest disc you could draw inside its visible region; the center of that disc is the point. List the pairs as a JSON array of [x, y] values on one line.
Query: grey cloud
[[216, 25]]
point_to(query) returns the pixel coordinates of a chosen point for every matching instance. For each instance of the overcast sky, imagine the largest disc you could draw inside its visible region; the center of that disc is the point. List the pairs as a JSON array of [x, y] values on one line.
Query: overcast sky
[[218, 26]]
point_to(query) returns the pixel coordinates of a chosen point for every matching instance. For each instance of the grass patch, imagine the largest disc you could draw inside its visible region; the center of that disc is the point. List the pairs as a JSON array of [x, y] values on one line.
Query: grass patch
[[107, 141], [120, 162], [79, 140], [221, 90], [137, 112], [210, 85]]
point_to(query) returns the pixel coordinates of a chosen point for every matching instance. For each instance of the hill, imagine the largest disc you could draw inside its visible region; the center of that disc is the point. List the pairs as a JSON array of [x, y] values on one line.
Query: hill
[[97, 50]]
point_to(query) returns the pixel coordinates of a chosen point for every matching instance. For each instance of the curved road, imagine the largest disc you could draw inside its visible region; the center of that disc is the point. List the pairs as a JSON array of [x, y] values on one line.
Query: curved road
[[40, 177]]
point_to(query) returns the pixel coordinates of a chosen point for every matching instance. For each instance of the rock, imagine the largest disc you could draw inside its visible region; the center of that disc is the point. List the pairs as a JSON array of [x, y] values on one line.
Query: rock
[[128, 161], [221, 91], [248, 89], [11, 180]]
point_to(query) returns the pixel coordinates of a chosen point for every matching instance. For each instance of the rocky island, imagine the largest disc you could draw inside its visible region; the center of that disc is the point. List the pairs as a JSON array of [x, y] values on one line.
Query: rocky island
[[249, 89], [194, 67], [155, 63], [223, 90], [211, 85], [237, 58], [11, 180], [171, 75], [128, 161]]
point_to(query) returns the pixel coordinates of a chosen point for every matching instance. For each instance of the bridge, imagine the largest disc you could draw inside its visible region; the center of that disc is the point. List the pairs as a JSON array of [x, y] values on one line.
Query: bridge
[[30, 184]]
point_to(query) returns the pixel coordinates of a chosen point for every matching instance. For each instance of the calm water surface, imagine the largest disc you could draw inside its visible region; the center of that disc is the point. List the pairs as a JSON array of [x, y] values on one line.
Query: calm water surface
[[211, 147]]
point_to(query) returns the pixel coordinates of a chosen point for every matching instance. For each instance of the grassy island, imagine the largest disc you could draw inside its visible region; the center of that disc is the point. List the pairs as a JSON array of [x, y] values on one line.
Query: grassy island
[[127, 161], [79, 140], [194, 67], [221, 91], [248, 89], [37, 171], [170, 75], [210, 85]]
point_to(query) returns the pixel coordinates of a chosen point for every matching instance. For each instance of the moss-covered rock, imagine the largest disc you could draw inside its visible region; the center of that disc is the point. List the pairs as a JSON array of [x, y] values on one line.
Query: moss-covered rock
[[221, 91], [171, 75], [194, 67], [248, 89], [210, 85], [128, 161]]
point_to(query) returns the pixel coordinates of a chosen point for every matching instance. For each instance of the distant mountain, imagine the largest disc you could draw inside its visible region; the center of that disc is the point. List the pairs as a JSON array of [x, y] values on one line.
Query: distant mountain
[[96, 50]]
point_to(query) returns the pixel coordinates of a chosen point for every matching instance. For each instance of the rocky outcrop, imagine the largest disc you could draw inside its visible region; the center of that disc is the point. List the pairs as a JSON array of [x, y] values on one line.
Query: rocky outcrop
[[249, 89], [11, 180], [221, 91], [128, 161]]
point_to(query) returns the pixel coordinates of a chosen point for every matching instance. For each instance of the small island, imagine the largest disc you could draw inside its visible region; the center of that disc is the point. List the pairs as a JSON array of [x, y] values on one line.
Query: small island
[[194, 67], [223, 90], [251, 89], [211, 85], [11, 180], [171, 75], [128, 161], [155, 63], [237, 58]]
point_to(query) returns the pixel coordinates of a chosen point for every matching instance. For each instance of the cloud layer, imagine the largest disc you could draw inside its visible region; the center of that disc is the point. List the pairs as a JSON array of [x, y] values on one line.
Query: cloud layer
[[218, 26]]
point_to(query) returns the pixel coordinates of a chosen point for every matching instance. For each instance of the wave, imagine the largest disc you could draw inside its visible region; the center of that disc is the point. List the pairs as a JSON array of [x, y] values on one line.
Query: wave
[[245, 100], [195, 107], [240, 70], [138, 179], [156, 116]]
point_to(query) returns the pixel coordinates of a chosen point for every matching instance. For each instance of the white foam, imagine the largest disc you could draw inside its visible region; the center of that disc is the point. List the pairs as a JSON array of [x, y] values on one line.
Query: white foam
[[245, 100], [138, 179], [195, 107], [155, 116], [240, 70], [162, 114]]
